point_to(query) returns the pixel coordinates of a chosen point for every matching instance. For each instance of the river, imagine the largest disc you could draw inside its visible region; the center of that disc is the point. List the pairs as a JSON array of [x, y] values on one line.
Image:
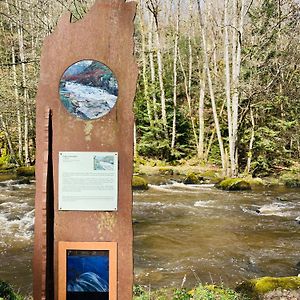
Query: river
[[194, 232]]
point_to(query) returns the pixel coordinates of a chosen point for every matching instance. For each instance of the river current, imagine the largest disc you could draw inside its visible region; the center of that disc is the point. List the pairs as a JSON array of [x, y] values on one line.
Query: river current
[[182, 234]]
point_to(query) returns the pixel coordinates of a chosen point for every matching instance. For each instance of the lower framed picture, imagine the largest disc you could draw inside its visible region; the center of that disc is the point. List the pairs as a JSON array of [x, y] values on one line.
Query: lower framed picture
[[87, 271]]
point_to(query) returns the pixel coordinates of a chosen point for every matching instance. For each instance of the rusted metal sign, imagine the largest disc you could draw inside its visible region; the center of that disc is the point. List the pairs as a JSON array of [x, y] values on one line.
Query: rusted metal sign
[[85, 105]]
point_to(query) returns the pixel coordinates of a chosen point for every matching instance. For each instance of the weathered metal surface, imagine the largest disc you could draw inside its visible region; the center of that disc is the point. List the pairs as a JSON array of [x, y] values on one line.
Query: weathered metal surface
[[105, 34]]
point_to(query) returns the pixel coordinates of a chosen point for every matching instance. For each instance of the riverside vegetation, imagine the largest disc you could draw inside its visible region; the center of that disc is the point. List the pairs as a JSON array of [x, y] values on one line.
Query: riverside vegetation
[[262, 288]]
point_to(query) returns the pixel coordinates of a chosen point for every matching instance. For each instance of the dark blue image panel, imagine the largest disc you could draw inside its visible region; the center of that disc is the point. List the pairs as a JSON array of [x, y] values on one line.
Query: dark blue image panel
[[87, 275]]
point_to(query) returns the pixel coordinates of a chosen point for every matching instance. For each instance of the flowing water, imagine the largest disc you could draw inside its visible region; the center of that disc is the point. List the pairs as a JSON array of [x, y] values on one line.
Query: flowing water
[[194, 232], [16, 233], [204, 234]]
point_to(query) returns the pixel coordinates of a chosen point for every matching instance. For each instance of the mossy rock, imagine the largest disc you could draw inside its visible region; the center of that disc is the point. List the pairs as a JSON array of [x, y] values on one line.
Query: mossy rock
[[192, 178], [211, 176], [166, 171], [234, 184], [254, 288], [255, 182], [139, 183], [26, 171]]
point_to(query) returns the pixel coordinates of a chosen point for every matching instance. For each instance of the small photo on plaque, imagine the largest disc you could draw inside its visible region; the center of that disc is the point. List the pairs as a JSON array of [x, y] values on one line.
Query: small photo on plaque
[[87, 271], [104, 163]]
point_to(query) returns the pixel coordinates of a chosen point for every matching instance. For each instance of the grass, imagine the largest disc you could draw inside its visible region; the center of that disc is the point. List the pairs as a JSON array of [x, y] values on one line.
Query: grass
[[201, 292]]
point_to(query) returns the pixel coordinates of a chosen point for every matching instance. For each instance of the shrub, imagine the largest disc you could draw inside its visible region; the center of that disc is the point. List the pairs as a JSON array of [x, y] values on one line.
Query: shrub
[[7, 293]]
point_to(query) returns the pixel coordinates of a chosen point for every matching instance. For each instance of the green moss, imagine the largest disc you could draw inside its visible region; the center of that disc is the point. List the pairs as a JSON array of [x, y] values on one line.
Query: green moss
[[26, 171], [212, 176], [166, 171], [139, 183], [234, 184], [191, 178], [255, 182], [256, 287]]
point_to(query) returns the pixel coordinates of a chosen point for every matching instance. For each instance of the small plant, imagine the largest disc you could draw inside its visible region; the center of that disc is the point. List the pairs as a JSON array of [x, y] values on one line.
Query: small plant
[[7, 293], [182, 294]]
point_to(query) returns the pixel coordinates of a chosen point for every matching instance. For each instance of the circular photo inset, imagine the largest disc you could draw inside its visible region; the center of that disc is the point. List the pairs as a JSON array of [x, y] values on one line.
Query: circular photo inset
[[88, 89]]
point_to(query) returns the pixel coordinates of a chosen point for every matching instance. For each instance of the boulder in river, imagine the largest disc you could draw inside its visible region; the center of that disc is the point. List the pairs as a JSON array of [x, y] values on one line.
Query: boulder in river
[[256, 288], [26, 171], [192, 178], [139, 183], [234, 184]]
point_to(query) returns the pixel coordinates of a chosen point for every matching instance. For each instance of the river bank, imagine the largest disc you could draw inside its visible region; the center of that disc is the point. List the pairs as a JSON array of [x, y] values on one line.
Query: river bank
[[259, 289], [190, 172]]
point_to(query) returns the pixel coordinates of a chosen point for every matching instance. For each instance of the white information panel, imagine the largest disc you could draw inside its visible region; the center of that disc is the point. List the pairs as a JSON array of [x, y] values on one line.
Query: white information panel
[[88, 181]]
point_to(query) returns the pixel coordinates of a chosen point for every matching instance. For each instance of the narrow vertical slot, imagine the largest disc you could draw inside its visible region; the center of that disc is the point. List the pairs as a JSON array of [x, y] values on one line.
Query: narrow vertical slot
[[50, 217]]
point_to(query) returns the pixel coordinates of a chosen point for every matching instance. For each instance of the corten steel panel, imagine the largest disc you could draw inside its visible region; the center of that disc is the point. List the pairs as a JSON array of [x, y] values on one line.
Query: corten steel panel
[[105, 34]]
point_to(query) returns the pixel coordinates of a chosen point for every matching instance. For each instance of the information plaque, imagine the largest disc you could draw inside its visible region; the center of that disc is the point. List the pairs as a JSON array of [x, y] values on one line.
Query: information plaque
[[88, 181]]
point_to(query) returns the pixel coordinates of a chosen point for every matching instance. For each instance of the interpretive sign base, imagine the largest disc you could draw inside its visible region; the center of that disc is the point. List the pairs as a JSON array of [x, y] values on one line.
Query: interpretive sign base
[[88, 181]]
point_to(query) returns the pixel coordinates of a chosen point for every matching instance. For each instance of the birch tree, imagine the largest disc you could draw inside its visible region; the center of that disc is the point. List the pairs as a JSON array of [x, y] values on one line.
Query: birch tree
[[210, 86], [175, 75]]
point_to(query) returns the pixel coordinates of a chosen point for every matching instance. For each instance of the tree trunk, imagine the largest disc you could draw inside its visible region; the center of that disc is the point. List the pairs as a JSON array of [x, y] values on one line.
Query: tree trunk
[[153, 7], [228, 91], [161, 84], [211, 89], [175, 77], [235, 88], [145, 78], [152, 68], [19, 122], [201, 114], [188, 97], [249, 158], [8, 139], [14, 73], [24, 83]]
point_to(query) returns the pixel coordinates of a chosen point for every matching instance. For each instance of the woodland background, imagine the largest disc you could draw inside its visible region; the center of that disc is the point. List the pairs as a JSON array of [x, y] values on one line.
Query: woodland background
[[219, 80]]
